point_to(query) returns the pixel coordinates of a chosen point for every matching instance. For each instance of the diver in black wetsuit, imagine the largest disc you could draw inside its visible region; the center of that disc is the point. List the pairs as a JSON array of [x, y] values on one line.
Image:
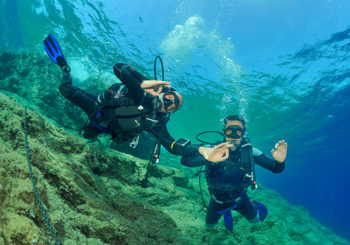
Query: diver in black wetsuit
[[127, 109], [230, 171]]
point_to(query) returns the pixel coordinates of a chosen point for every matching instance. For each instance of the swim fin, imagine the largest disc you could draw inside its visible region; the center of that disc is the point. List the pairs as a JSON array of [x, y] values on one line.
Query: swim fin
[[54, 51], [262, 210], [228, 217]]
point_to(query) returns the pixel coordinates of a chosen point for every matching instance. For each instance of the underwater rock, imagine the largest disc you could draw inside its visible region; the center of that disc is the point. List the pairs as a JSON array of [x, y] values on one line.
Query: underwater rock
[[81, 205], [180, 179]]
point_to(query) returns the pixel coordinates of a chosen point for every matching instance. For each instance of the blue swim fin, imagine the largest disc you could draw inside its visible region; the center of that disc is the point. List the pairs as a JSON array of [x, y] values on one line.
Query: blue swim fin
[[228, 217], [54, 51], [262, 211]]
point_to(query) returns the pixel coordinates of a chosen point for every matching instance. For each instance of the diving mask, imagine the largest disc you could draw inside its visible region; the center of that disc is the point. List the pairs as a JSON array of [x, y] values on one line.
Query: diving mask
[[234, 132], [169, 102]]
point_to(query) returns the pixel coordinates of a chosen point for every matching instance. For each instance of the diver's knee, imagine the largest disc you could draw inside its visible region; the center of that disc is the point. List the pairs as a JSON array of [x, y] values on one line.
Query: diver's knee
[[90, 132]]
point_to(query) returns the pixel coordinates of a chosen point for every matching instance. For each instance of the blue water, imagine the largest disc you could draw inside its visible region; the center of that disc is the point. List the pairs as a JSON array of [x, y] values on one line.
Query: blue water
[[283, 65]]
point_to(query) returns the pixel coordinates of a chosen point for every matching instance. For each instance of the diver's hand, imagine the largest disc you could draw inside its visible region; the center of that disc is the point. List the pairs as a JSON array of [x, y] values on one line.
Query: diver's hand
[[280, 152], [217, 154], [154, 87]]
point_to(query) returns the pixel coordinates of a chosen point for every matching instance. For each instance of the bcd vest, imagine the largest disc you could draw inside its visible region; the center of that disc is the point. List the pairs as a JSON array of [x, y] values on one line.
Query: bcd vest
[[235, 174], [119, 115]]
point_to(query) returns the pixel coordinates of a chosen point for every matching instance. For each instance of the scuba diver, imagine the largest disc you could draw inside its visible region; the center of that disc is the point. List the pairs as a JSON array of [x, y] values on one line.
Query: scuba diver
[[229, 171], [126, 109]]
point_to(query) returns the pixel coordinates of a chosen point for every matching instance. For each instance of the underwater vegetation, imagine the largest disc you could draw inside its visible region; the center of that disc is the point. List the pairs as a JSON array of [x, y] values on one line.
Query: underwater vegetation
[[92, 193]]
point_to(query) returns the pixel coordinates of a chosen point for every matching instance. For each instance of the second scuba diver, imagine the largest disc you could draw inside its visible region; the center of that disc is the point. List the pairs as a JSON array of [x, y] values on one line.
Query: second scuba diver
[[126, 109], [230, 170]]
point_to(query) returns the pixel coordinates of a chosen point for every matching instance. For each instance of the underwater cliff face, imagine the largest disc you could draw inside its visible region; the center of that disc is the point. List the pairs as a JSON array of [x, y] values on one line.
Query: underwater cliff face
[[83, 207], [92, 194]]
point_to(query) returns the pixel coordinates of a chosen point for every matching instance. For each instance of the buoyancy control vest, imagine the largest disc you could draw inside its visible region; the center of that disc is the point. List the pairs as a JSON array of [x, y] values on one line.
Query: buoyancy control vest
[[237, 173], [120, 116]]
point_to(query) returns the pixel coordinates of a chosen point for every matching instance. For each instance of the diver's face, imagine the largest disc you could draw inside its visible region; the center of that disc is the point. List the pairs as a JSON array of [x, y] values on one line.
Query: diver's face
[[172, 107], [235, 142]]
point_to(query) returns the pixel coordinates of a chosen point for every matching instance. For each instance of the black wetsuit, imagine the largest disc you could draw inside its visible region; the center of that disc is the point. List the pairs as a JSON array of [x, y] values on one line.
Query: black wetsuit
[[98, 107], [227, 182]]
